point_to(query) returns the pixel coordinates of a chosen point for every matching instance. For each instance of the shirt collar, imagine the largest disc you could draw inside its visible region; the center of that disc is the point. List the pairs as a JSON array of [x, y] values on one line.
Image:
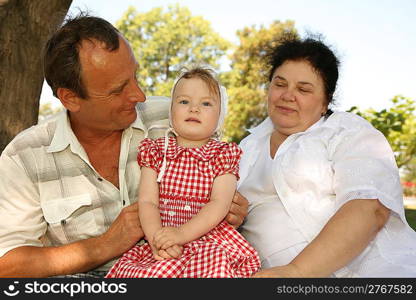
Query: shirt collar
[[138, 123], [264, 128], [64, 135]]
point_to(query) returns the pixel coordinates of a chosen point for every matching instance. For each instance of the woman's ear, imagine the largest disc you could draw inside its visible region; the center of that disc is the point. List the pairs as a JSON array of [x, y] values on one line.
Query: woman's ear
[[324, 110], [69, 99]]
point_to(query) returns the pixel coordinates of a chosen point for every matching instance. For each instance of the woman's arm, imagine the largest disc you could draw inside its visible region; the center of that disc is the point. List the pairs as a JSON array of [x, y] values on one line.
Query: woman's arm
[[343, 238], [207, 218]]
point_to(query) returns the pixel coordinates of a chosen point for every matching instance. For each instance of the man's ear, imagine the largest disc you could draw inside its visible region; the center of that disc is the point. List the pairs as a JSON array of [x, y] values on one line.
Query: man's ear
[[69, 99]]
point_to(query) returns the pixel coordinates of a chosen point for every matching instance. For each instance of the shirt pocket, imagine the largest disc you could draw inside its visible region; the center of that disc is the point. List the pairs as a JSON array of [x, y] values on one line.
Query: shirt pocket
[[69, 219]]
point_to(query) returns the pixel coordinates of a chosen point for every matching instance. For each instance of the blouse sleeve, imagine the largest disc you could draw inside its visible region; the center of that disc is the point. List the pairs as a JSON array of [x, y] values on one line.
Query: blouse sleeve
[[365, 168], [228, 160], [149, 154]]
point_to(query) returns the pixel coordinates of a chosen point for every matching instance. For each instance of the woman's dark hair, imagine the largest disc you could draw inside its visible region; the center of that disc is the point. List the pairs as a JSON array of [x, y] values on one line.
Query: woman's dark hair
[[312, 50], [61, 62]]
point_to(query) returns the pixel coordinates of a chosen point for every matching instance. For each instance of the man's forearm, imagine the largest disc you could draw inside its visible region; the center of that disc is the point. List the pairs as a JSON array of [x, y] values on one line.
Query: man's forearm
[[29, 261]]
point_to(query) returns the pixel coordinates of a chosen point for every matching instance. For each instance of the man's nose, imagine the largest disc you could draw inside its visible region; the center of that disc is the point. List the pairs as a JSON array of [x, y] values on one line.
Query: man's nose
[[136, 94]]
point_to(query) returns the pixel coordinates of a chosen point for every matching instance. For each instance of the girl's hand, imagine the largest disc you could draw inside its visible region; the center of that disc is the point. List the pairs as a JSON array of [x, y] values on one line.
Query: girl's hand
[[156, 254], [173, 252], [167, 237]]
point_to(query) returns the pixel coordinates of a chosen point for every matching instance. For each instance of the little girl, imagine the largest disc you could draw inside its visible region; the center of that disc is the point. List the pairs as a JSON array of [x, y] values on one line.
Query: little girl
[[182, 216]]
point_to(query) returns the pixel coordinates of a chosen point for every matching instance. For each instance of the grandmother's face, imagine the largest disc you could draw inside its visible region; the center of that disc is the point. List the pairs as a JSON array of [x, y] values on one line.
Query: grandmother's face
[[296, 97]]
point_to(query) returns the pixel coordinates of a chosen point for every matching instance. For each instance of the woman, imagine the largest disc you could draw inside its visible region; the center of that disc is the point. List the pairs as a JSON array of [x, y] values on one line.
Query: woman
[[324, 189]]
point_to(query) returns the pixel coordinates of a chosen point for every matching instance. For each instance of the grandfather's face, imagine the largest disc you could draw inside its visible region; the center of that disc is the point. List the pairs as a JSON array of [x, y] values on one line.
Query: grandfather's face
[[296, 97], [111, 85]]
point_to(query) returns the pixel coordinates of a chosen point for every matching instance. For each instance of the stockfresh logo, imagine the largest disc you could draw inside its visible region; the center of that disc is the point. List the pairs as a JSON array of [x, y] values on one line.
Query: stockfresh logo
[[12, 290]]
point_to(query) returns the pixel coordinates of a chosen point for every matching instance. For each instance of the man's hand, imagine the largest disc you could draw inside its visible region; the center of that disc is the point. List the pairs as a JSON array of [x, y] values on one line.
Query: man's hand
[[238, 210], [124, 232], [80, 256]]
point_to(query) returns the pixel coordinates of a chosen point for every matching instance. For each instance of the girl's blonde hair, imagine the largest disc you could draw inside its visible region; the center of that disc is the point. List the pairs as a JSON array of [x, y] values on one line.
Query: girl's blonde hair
[[205, 74]]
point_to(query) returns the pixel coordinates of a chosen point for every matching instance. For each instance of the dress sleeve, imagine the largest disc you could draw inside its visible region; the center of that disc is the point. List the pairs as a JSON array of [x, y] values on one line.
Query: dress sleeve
[[365, 168], [149, 154], [228, 160]]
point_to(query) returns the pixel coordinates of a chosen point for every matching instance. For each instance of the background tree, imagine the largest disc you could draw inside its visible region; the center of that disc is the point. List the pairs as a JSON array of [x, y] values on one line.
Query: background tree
[[247, 80], [24, 28], [409, 174], [46, 110], [164, 41], [398, 124]]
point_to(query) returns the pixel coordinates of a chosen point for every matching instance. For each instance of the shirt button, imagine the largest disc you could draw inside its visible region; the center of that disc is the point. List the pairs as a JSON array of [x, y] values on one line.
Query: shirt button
[[100, 179], [187, 207], [124, 202], [171, 213], [63, 222]]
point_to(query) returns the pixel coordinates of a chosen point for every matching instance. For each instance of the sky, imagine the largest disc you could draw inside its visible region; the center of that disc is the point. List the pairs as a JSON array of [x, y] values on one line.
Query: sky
[[375, 40]]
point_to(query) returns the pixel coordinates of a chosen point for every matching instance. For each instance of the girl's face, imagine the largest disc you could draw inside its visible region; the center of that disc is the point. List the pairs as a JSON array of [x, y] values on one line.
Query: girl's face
[[296, 98], [195, 112]]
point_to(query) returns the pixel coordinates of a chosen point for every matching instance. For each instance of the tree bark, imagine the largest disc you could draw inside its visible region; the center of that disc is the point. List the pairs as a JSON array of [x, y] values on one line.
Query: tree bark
[[25, 26]]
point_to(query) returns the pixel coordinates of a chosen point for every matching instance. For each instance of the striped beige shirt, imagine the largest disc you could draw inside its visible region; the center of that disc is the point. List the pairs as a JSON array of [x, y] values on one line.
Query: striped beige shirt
[[51, 195]]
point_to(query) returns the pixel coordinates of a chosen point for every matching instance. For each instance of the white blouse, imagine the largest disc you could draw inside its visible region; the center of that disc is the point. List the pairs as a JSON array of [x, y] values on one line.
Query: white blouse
[[314, 173], [267, 211]]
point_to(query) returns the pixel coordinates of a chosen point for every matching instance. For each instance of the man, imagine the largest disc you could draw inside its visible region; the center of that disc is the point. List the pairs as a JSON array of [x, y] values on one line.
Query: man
[[69, 185]]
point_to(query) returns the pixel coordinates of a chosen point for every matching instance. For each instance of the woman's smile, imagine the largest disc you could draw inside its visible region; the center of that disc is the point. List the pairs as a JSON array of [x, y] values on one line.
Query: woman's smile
[[285, 109]]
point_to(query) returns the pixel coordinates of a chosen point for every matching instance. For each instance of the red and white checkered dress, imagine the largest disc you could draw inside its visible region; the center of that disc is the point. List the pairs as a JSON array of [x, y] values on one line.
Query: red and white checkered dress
[[185, 188]]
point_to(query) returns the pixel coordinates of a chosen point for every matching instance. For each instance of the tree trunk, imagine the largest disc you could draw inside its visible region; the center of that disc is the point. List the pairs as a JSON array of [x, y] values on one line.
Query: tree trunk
[[25, 26]]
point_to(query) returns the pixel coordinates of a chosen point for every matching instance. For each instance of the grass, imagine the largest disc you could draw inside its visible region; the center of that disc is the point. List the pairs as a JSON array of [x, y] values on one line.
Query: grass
[[411, 217]]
